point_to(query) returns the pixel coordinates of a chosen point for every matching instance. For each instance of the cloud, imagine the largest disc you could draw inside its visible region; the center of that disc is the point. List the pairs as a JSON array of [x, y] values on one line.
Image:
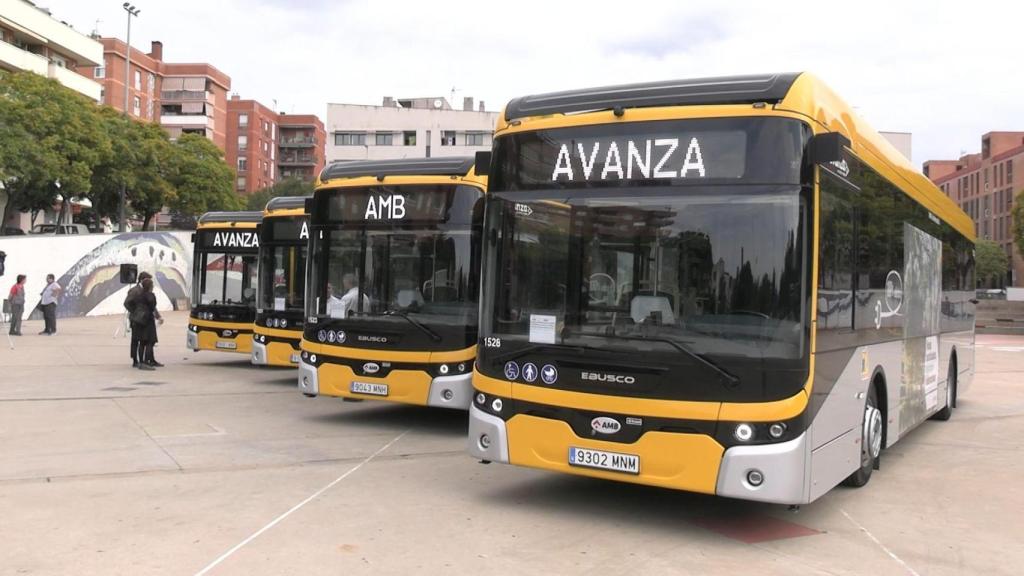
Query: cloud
[[943, 72]]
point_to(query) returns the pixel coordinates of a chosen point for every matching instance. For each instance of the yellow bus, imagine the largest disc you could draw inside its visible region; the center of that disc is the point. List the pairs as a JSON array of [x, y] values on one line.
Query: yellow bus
[[226, 245], [731, 286], [392, 296], [280, 291]]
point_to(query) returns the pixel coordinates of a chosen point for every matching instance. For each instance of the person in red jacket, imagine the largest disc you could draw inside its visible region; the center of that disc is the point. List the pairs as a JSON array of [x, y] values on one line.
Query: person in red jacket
[[17, 299]]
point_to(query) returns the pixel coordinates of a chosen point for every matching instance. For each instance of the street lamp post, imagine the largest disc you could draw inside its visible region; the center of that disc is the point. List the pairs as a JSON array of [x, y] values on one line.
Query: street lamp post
[[132, 11]]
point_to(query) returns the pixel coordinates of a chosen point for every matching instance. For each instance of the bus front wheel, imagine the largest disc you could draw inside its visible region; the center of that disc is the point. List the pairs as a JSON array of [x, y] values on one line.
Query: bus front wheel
[[870, 441], [947, 411]]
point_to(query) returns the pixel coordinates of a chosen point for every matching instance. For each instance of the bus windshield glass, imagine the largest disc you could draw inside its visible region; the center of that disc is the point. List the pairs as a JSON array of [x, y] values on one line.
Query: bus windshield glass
[[226, 279], [282, 267], [395, 253], [674, 238]]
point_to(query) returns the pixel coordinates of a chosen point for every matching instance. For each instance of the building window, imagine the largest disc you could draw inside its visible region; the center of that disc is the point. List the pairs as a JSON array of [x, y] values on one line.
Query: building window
[[350, 139], [243, 142], [99, 72], [409, 138], [240, 183], [152, 82], [136, 106], [138, 80], [243, 120], [480, 139], [384, 138], [447, 137], [1009, 171], [243, 164], [149, 109]]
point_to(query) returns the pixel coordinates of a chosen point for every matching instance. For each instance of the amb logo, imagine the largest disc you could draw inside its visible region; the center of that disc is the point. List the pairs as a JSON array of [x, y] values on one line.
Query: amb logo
[[605, 425]]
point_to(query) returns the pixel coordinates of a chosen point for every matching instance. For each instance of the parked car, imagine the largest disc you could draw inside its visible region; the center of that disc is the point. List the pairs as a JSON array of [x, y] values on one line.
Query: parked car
[[991, 294], [12, 231], [61, 229]]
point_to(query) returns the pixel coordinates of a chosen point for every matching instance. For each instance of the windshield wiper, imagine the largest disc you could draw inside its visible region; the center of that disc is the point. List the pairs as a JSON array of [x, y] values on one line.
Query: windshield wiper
[[419, 325], [502, 358], [730, 378]]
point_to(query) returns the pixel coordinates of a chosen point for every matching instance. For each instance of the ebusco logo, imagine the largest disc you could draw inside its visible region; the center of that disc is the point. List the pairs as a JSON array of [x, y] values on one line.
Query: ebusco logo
[[605, 425]]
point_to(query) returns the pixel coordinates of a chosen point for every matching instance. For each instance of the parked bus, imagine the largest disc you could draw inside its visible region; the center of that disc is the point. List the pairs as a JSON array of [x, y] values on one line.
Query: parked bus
[[392, 299], [280, 291], [731, 286], [226, 245]]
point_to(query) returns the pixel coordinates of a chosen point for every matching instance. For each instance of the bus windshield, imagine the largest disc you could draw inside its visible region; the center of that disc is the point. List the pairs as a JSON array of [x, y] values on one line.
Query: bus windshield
[[225, 279], [682, 240], [282, 269], [399, 255]]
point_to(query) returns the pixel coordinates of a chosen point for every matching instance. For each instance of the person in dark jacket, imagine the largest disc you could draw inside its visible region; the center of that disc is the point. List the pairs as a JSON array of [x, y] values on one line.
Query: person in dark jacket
[[129, 304], [144, 319]]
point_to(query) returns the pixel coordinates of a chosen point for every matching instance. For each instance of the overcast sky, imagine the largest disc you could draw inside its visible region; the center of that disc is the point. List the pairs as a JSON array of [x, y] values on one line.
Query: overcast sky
[[946, 71]]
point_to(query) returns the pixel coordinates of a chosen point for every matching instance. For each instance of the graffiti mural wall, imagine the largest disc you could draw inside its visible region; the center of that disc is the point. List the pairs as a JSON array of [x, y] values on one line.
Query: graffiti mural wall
[[88, 267]]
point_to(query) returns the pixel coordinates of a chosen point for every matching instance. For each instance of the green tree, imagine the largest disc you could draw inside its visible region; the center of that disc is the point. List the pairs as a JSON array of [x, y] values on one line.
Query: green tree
[[142, 161], [990, 263], [49, 134], [201, 178], [289, 187]]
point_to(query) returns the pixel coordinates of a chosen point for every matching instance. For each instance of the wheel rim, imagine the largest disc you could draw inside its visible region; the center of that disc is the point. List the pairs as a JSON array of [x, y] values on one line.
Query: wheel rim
[[871, 440]]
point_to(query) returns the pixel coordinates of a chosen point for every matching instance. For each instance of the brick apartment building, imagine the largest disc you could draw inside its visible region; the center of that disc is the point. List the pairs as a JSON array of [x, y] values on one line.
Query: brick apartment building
[[986, 186], [266, 147], [182, 97]]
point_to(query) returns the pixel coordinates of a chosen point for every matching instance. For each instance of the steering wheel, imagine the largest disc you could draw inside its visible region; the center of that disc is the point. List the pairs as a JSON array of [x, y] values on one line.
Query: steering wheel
[[599, 277]]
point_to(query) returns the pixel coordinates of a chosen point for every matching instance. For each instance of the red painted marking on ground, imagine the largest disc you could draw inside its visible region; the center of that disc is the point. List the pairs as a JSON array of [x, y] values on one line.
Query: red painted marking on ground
[[998, 340], [753, 529]]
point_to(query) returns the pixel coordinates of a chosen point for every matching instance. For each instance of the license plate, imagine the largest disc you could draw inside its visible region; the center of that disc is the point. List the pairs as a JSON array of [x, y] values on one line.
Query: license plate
[[614, 461], [294, 359], [227, 345], [369, 388]]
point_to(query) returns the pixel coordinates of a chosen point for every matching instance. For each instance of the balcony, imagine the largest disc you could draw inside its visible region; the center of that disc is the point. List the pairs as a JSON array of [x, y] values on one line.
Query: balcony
[[186, 120], [75, 81], [296, 160], [169, 96], [298, 143], [13, 57]]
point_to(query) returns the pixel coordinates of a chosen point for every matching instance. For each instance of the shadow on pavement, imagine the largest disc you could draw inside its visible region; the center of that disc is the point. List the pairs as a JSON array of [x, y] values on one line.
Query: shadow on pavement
[[418, 419]]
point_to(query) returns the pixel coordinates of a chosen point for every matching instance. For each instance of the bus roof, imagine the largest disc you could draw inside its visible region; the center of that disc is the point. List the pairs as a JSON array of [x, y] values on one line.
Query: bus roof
[[229, 217], [286, 203], [769, 88], [800, 94], [445, 166]]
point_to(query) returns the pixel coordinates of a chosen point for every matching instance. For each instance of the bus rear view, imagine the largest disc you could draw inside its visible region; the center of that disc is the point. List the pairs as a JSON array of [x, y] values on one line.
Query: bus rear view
[[649, 289]]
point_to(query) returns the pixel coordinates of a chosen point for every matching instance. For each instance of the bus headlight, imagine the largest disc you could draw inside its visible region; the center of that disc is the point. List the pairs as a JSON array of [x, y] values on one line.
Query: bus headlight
[[443, 369], [743, 432], [777, 430], [480, 398], [496, 405], [284, 323]]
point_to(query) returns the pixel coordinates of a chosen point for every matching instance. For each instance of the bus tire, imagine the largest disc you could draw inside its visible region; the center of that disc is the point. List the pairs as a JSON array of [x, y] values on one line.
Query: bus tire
[[871, 427], [947, 410]]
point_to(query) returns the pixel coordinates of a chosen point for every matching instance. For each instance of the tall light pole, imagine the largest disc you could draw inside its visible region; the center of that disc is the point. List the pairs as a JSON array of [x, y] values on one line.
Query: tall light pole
[[132, 11]]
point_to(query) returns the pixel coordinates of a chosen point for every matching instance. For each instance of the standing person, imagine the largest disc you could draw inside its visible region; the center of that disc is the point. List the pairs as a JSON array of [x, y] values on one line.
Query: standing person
[[48, 302], [145, 315], [129, 304], [17, 300]]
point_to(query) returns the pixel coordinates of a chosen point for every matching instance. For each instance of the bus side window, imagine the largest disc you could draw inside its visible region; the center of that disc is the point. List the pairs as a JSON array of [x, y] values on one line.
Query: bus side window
[[835, 265]]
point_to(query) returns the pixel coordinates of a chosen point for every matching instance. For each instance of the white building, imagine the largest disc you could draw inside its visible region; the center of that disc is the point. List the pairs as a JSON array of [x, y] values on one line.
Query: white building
[[407, 128], [902, 142], [31, 39]]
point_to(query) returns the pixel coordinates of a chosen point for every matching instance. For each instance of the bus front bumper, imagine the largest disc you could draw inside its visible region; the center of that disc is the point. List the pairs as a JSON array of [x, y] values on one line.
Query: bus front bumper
[[692, 462], [192, 341], [415, 387], [274, 353]]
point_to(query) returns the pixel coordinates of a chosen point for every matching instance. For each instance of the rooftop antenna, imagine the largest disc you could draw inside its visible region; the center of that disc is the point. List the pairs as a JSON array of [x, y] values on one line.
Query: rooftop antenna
[[96, 29], [452, 100]]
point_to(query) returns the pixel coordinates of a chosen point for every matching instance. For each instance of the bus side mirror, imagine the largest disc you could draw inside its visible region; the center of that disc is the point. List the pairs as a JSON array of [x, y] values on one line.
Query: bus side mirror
[[828, 147], [482, 165], [193, 237]]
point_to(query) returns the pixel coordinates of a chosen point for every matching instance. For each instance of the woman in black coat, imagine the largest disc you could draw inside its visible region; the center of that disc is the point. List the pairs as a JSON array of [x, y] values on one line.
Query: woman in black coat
[[144, 319]]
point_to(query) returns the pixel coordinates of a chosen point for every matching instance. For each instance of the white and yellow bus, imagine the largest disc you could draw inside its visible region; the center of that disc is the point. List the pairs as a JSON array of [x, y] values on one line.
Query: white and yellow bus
[[731, 286], [226, 245], [392, 298], [280, 293]]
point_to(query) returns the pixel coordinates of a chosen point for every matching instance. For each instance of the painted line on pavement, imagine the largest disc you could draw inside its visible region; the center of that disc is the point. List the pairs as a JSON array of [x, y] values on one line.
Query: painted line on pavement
[[275, 521], [880, 545]]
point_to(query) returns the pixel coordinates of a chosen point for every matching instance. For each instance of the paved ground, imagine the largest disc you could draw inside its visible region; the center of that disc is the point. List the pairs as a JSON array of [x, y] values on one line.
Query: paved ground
[[212, 465]]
